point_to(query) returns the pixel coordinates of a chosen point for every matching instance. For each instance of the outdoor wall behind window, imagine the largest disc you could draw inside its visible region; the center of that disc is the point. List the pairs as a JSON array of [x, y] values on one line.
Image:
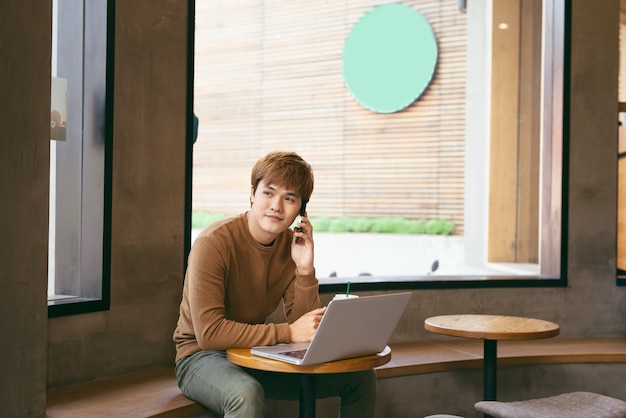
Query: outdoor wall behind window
[[268, 76]]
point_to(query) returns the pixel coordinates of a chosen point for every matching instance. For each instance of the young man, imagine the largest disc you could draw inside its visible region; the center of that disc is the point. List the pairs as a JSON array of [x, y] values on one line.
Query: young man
[[238, 272]]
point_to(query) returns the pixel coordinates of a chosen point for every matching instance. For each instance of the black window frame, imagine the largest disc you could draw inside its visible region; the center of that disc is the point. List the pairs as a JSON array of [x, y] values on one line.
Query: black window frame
[[79, 305]]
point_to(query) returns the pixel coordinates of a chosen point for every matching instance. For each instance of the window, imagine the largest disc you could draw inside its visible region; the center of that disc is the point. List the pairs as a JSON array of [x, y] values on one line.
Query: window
[[79, 151], [482, 146]]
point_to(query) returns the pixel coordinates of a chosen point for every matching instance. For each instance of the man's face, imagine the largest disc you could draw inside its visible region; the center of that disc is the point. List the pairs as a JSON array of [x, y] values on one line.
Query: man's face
[[273, 210]]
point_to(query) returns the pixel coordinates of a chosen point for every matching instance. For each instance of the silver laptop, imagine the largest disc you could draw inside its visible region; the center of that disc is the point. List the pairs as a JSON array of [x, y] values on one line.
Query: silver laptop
[[349, 328]]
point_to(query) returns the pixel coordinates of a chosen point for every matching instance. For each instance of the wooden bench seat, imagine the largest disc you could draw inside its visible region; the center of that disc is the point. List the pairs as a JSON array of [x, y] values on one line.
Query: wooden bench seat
[[156, 394], [459, 353], [146, 394]]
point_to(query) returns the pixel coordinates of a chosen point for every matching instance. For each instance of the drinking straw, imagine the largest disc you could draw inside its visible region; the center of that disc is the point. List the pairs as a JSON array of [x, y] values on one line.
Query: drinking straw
[[348, 290]]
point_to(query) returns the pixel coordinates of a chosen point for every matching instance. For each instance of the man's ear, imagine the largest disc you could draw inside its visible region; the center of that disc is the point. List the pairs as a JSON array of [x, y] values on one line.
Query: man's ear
[[251, 195]]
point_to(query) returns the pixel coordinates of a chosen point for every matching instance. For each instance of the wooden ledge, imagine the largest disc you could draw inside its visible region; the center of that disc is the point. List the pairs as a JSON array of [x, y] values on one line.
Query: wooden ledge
[[457, 353], [146, 394]]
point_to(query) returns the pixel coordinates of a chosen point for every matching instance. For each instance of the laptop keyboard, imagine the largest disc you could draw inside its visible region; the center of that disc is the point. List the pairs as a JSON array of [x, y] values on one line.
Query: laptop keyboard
[[296, 353]]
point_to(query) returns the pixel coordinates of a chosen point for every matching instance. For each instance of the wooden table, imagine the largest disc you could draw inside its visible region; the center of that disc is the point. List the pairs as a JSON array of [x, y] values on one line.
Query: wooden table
[[242, 357], [491, 328]]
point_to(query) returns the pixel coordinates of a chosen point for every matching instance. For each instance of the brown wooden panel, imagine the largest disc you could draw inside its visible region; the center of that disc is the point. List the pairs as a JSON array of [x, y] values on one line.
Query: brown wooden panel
[[621, 202], [515, 132], [503, 161]]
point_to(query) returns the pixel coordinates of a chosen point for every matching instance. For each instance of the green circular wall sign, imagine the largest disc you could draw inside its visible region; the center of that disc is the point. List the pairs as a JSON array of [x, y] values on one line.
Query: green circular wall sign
[[389, 58]]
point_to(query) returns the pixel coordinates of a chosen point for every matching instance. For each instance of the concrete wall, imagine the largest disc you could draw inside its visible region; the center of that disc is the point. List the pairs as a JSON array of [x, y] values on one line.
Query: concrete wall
[[148, 213], [24, 183]]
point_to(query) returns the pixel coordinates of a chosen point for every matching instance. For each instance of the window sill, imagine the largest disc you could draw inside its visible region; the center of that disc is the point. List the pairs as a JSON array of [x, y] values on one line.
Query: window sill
[[64, 305]]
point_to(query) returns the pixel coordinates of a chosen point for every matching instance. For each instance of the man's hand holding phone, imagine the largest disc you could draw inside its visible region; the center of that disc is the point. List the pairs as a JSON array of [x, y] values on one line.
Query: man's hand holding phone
[[302, 247], [297, 229], [302, 213], [300, 230]]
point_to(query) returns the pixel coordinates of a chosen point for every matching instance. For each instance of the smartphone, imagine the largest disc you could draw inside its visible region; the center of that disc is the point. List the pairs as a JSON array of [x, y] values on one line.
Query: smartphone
[[303, 208], [302, 212]]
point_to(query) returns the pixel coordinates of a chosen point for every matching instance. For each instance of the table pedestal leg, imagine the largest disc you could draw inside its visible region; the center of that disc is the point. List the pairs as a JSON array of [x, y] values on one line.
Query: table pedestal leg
[[490, 358], [307, 396], [490, 365]]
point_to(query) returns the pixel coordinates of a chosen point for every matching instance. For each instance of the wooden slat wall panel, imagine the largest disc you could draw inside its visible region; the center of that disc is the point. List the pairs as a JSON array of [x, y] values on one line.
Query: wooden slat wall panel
[[268, 76], [621, 199]]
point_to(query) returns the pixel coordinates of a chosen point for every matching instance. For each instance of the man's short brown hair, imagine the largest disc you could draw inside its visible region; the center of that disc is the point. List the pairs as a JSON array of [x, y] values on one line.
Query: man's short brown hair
[[284, 169]]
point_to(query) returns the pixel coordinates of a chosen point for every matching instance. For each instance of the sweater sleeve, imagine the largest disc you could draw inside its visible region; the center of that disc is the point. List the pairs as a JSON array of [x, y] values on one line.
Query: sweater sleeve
[[301, 296]]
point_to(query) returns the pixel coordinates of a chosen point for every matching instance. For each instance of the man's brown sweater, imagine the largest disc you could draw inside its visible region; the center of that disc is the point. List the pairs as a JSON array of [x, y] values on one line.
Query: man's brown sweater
[[233, 283]]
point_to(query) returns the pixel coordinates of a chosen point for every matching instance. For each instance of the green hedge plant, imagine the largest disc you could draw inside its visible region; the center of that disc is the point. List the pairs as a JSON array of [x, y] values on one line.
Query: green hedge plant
[[390, 225]]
